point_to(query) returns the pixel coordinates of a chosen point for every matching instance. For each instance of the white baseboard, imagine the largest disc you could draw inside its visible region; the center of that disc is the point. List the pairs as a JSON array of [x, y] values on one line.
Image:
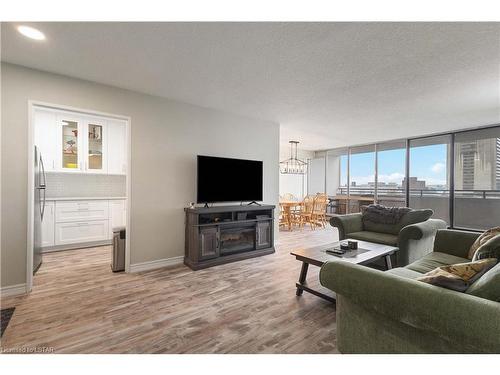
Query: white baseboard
[[13, 290], [154, 264]]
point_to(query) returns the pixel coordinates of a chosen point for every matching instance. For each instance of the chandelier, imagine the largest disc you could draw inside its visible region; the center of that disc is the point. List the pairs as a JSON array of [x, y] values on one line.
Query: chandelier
[[293, 165]]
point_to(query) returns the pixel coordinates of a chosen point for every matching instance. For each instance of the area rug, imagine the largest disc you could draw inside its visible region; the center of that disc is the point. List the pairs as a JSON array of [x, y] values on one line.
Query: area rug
[[6, 314]]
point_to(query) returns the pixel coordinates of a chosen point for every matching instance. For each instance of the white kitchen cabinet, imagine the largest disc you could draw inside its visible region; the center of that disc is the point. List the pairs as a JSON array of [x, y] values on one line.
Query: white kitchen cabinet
[[77, 143], [81, 231], [67, 224], [69, 143], [48, 225], [95, 145], [81, 210], [46, 133], [117, 147], [81, 144]]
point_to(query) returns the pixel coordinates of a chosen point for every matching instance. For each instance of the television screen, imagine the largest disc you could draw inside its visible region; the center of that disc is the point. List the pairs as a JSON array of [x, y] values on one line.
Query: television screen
[[228, 180]]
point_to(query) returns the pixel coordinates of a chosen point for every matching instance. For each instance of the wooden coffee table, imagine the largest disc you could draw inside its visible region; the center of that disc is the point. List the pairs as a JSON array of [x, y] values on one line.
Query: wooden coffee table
[[366, 253]]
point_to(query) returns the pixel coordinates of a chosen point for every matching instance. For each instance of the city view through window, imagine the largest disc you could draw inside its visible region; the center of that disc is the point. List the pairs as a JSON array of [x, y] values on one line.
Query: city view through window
[[368, 176]]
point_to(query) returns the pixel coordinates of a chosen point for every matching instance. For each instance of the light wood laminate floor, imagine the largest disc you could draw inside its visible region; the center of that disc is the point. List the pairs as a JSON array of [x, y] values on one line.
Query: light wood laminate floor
[[79, 306]]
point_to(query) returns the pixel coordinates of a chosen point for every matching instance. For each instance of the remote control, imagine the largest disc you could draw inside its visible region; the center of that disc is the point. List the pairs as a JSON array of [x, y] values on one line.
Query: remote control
[[336, 251]]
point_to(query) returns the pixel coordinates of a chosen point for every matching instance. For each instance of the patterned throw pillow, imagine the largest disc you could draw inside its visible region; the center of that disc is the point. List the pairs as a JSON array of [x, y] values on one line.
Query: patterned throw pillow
[[458, 276], [489, 249], [483, 238]]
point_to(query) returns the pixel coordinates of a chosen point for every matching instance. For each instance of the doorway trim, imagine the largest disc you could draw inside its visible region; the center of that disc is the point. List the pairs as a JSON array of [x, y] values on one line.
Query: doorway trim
[[32, 105]]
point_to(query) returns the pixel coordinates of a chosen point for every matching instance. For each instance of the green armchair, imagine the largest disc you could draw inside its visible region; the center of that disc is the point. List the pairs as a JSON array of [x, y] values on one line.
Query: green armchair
[[413, 235], [391, 312]]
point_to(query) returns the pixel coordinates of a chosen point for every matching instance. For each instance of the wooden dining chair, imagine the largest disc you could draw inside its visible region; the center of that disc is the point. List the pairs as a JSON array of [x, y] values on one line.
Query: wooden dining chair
[[289, 197], [283, 221], [319, 209], [306, 212]]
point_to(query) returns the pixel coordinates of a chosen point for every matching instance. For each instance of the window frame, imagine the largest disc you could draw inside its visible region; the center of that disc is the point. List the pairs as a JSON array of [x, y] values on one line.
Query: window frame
[[407, 141]]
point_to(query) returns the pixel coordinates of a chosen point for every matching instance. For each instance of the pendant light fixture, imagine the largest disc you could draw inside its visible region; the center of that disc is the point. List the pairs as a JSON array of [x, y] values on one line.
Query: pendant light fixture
[[293, 165]]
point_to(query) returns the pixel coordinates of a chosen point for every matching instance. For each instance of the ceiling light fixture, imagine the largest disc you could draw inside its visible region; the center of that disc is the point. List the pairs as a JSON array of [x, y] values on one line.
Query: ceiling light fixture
[[31, 32], [293, 165]]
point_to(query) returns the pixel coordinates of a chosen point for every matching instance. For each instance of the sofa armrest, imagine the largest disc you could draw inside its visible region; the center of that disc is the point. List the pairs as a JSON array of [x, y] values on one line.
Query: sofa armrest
[[452, 315], [455, 242], [347, 224], [416, 240]]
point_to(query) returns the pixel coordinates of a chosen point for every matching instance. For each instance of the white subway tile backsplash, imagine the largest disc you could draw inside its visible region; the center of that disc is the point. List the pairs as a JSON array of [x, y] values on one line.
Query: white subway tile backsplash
[[60, 185]]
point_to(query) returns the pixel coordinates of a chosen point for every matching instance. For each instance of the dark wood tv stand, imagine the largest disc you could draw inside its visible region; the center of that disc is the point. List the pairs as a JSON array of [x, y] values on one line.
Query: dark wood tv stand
[[223, 234]]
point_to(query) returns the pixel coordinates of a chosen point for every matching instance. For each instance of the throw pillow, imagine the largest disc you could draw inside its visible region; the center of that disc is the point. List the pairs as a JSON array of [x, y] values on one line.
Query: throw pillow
[[488, 285], [416, 216], [458, 276], [376, 213], [489, 249], [483, 238]]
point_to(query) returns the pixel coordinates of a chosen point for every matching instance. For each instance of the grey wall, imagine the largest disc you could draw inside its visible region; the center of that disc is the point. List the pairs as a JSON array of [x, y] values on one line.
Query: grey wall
[[85, 185], [166, 137]]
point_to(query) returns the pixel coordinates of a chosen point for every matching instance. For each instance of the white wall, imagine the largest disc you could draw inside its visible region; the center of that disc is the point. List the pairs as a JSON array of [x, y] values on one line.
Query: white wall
[[166, 137], [316, 182], [333, 174]]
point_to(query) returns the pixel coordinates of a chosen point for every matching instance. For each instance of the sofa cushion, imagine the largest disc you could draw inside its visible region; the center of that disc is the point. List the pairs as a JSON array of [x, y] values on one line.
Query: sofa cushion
[[460, 276], [404, 272], [488, 285], [483, 238], [435, 260], [383, 238], [411, 217], [380, 228], [489, 249]]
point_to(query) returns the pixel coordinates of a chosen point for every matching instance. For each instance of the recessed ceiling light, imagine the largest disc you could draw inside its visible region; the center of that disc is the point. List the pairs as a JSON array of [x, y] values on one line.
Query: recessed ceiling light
[[31, 32]]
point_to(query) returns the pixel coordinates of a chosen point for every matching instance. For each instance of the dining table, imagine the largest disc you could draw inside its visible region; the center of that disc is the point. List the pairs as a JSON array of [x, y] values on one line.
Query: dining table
[[287, 206], [343, 198]]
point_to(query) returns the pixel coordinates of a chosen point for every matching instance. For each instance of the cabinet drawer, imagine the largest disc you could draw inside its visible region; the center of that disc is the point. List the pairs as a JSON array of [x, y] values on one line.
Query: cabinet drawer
[[68, 233], [81, 211]]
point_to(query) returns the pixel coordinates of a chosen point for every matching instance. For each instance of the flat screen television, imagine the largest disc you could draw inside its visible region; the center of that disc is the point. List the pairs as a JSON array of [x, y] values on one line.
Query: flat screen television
[[228, 180]]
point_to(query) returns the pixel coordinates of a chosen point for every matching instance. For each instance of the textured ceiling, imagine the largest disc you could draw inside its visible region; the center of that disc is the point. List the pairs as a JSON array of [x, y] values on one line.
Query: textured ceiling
[[327, 84]]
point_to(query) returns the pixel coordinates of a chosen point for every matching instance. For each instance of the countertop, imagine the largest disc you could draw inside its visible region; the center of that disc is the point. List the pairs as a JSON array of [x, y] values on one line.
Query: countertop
[[82, 198]]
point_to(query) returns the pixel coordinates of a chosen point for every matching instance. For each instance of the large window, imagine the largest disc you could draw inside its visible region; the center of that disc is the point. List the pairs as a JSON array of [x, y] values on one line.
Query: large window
[[362, 177], [477, 179], [391, 171], [428, 182], [457, 175]]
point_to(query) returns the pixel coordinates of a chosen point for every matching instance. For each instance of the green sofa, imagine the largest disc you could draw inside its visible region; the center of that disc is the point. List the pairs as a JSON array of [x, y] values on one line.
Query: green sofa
[[391, 312], [413, 235]]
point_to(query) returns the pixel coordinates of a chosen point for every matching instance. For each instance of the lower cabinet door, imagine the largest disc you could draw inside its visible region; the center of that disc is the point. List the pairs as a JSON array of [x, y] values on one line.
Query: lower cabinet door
[[68, 233], [209, 243], [263, 234]]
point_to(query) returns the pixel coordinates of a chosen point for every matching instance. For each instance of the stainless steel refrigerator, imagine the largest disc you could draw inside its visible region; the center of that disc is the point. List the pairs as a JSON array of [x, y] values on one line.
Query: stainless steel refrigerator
[[39, 209]]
